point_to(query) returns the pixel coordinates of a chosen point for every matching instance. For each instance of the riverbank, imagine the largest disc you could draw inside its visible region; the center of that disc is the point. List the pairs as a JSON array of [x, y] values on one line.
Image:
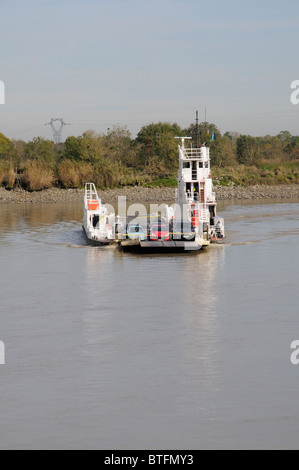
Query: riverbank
[[56, 195]]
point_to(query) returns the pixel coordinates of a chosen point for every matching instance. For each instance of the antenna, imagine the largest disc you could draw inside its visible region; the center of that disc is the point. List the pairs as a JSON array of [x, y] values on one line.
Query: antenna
[[183, 140], [57, 131], [197, 131]]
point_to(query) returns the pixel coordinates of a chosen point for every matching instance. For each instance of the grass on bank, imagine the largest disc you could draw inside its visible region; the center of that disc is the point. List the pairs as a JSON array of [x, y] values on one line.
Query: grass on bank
[[7, 175], [268, 173], [170, 182], [37, 175], [74, 175]]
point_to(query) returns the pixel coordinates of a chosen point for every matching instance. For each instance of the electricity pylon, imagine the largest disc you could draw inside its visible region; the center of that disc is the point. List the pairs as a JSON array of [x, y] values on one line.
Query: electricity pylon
[[57, 131]]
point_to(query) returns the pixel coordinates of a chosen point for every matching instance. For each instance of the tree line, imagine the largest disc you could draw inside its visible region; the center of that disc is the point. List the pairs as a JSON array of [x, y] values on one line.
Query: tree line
[[116, 159]]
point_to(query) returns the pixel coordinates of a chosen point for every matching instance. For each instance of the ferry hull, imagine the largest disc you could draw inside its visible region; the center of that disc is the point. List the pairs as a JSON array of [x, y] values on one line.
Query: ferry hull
[[159, 246], [95, 242]]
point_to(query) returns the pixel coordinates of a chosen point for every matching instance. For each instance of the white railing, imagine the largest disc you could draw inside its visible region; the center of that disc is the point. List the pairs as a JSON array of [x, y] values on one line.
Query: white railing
[[204, 215], [91, 192], [194, 197], [192, 153], [91, 199]]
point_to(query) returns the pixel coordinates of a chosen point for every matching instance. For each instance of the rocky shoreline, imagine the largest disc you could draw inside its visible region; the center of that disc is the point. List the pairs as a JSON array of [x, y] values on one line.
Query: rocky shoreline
[[56, 195]]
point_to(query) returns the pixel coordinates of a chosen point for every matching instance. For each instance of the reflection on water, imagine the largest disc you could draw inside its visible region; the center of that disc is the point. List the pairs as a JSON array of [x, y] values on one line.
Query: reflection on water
[[202, 313], [118, 351], [177, 295]]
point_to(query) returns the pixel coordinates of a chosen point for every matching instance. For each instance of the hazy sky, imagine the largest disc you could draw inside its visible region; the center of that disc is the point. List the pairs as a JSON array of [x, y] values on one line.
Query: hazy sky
[[96, 63]]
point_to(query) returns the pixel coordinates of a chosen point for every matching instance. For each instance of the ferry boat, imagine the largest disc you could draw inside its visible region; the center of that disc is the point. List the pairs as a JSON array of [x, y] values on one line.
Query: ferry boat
[[195, 192], [193, 222], [99, 223], [190, 224]]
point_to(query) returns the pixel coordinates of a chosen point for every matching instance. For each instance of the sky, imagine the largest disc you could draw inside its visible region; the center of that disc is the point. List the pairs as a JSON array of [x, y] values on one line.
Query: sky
[[98, 63]]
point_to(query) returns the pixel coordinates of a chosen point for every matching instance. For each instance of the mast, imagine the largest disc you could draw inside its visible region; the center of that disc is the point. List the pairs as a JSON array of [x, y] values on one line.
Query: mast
[[197, 131]]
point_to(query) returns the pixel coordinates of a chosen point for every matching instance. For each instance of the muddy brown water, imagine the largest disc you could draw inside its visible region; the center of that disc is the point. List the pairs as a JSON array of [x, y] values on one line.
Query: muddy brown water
[[106, 350]]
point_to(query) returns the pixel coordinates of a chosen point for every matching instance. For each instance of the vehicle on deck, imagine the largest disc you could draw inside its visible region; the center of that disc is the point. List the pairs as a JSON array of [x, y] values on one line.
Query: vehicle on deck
[[134, 232], [183, 231], [159, 232]]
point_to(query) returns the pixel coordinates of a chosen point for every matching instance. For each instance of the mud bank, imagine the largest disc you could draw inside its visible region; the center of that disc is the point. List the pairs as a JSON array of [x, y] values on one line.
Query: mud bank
[[56, 195]]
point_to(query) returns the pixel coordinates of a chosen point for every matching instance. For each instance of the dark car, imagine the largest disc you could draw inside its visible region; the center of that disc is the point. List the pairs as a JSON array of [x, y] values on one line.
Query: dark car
[[183, 231]]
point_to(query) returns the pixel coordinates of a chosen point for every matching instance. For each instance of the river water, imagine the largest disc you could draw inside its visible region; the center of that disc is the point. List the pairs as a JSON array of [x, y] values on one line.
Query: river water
[[106, 350]]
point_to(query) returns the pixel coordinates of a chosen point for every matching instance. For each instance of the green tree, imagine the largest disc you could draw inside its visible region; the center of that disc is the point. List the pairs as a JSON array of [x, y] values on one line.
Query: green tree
[[91, 147], [271, 148], [204, 131], [119, 146], [167, 150], [18, 153], [225, 155], [247, 150], [72, 148], [288, 142], [42, 150], [5, 146], [157, 143], [231, 135], [285, 137], [222, 148]]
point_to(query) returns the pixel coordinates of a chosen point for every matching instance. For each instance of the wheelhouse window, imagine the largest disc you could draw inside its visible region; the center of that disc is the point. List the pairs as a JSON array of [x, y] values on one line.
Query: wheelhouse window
[[186, 165]]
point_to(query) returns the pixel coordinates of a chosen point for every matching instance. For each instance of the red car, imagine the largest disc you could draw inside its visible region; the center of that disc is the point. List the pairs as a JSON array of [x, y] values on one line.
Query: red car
[[160, 232]]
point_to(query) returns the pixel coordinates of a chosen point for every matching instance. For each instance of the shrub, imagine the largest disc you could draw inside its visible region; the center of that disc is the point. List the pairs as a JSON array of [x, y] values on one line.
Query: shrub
[[109, 175], [7, 175], [74, 174], [37, 176]]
